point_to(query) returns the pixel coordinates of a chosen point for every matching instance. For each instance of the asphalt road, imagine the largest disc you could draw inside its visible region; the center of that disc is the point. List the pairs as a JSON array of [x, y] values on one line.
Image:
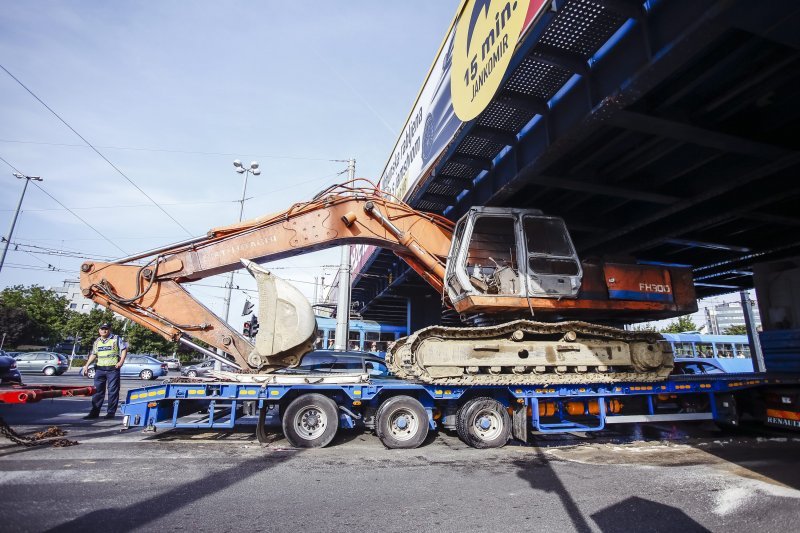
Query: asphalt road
[[655, 478]]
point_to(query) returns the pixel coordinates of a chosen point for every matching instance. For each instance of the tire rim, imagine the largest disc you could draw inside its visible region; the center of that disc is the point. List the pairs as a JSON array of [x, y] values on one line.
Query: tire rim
[[403, 424], [49, 371], [147, 374], [310, 422], [487, 424]]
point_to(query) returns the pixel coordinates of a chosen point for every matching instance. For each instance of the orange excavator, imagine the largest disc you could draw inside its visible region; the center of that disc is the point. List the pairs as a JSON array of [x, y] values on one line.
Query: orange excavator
[[552, 310]]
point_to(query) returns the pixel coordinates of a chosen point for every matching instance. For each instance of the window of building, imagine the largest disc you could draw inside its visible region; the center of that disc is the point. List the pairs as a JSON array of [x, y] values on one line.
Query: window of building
[[73, 306]]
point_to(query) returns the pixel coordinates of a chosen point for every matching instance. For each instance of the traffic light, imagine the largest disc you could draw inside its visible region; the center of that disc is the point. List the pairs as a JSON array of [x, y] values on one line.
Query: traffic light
[[248, 308], [246, 330], [253, 326]]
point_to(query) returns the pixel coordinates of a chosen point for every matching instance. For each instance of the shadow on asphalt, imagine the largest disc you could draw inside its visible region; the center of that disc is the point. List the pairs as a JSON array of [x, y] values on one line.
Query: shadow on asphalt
[[541, 477], [770, 453], [137, 516], [628, 515]]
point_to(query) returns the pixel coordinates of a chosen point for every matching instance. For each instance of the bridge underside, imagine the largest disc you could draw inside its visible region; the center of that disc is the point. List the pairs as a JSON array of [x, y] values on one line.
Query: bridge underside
[[663, 130]]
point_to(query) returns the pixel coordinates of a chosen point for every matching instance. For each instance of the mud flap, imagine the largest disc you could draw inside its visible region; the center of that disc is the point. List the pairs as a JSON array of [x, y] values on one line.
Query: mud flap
[[725, 410], [519, 423]]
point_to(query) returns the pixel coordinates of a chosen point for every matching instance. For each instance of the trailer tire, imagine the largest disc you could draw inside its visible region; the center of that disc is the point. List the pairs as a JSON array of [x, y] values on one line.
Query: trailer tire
[[483, 423], [401, 423], [310, 421]]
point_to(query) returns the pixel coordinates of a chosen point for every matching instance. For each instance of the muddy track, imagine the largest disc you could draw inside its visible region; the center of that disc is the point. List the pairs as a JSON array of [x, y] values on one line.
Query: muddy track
[[405, 348]]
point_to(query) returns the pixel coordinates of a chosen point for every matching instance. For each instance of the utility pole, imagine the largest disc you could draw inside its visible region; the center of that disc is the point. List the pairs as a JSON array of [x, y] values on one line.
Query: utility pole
[[343, 303], [752, 334], [254, 170], [16, 213]]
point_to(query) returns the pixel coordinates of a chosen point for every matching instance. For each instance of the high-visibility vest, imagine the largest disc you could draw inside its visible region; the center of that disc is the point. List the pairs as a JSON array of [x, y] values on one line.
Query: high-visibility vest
[[107, 350]]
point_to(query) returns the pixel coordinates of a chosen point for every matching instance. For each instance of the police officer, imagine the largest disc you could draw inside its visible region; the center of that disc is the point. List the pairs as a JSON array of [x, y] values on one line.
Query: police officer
[[109, 351]]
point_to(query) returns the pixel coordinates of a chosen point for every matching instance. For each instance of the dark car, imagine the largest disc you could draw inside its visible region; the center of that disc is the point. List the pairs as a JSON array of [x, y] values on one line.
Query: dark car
[[8, 369], [689, 366], [47, 363], [343, 361]]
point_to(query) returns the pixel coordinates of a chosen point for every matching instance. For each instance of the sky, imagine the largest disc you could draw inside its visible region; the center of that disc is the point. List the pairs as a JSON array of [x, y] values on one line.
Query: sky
[[170, 93]]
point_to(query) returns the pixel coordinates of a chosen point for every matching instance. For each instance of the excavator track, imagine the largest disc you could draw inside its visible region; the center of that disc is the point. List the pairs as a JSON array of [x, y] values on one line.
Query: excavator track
[[524, 352]]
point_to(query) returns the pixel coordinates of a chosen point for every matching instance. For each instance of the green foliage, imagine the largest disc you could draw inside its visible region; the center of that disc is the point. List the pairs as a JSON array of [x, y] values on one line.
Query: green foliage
[[684, 323], [142, 340], [32, 315], [38, 317], [86, 326], [738, 329], [16, 324]]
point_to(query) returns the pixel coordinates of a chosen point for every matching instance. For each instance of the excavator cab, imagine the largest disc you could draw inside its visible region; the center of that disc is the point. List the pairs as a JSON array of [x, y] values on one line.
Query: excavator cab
[[511, 253]]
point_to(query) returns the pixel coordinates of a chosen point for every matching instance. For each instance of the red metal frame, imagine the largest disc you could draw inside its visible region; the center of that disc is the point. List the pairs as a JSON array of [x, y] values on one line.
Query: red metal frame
[[34, 393]]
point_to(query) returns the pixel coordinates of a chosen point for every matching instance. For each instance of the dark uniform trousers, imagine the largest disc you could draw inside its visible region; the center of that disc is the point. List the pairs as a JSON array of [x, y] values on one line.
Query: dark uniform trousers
[[106, 375]]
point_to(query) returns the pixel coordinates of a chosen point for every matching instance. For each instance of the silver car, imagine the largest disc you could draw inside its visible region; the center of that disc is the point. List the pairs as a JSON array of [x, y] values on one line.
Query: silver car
[[47, 363], [203, 369], [173, 363]]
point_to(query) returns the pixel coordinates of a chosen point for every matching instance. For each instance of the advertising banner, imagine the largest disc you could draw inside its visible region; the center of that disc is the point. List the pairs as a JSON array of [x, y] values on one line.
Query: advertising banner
[[471, 64]]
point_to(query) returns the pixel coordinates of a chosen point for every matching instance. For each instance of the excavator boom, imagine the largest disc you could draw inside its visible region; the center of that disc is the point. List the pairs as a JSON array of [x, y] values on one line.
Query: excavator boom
[[152, 294]]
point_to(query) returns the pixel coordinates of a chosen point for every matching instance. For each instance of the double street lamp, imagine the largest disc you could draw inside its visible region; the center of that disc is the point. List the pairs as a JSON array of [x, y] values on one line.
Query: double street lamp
[[16, 213], [255, 171]]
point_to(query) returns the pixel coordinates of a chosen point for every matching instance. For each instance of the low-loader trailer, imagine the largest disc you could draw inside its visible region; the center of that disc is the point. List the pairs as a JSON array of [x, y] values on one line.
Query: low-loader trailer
[[310, 409]]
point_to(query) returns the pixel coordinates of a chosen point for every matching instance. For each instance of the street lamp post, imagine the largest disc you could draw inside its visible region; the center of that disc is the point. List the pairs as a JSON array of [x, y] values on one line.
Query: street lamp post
[[255, 171], [16, 213]]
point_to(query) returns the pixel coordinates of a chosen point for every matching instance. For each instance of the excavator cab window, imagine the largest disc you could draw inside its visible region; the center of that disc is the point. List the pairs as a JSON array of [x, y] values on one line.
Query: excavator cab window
[[491, 261], [553, 265]]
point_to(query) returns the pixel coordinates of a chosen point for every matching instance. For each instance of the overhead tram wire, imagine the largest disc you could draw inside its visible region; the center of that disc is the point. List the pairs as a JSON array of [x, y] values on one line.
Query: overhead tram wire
[[68, 209], [90, 145], [170, 151]]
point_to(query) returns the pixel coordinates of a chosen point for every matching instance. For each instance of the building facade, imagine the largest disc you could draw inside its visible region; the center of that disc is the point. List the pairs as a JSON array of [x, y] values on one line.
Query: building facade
[[723, 316], [71, 290]]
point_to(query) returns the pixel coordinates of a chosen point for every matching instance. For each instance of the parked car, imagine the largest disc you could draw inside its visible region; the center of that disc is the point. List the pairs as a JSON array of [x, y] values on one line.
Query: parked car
[[173, 363], [341, 361], [47, 363], [202, 369], [692, 366], [142, 366], [8, 369]]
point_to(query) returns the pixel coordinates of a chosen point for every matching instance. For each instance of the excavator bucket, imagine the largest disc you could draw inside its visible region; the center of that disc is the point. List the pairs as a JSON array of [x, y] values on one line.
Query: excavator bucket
[[287, 324]]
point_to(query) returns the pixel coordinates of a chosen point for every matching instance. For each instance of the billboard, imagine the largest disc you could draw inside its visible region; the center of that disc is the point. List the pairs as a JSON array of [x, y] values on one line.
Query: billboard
[[471, 63]]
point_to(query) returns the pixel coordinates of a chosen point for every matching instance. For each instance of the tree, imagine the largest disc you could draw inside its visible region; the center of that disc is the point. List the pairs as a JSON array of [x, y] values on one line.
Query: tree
[[737, 329], [684, 323], [46, 312], [86, 325], [142, 340], [15, 324]]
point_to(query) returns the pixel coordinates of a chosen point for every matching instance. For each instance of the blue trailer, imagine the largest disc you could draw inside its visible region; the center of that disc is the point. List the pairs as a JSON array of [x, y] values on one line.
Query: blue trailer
[[401, 413]]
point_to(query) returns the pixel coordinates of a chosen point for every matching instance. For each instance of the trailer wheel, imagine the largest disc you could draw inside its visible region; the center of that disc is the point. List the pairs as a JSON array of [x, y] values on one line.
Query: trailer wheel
[[401, 422], [310, 421], [483, 423]]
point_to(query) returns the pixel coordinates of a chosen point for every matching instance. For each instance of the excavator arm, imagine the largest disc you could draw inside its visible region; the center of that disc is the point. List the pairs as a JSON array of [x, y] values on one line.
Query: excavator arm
[[152, 293]]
